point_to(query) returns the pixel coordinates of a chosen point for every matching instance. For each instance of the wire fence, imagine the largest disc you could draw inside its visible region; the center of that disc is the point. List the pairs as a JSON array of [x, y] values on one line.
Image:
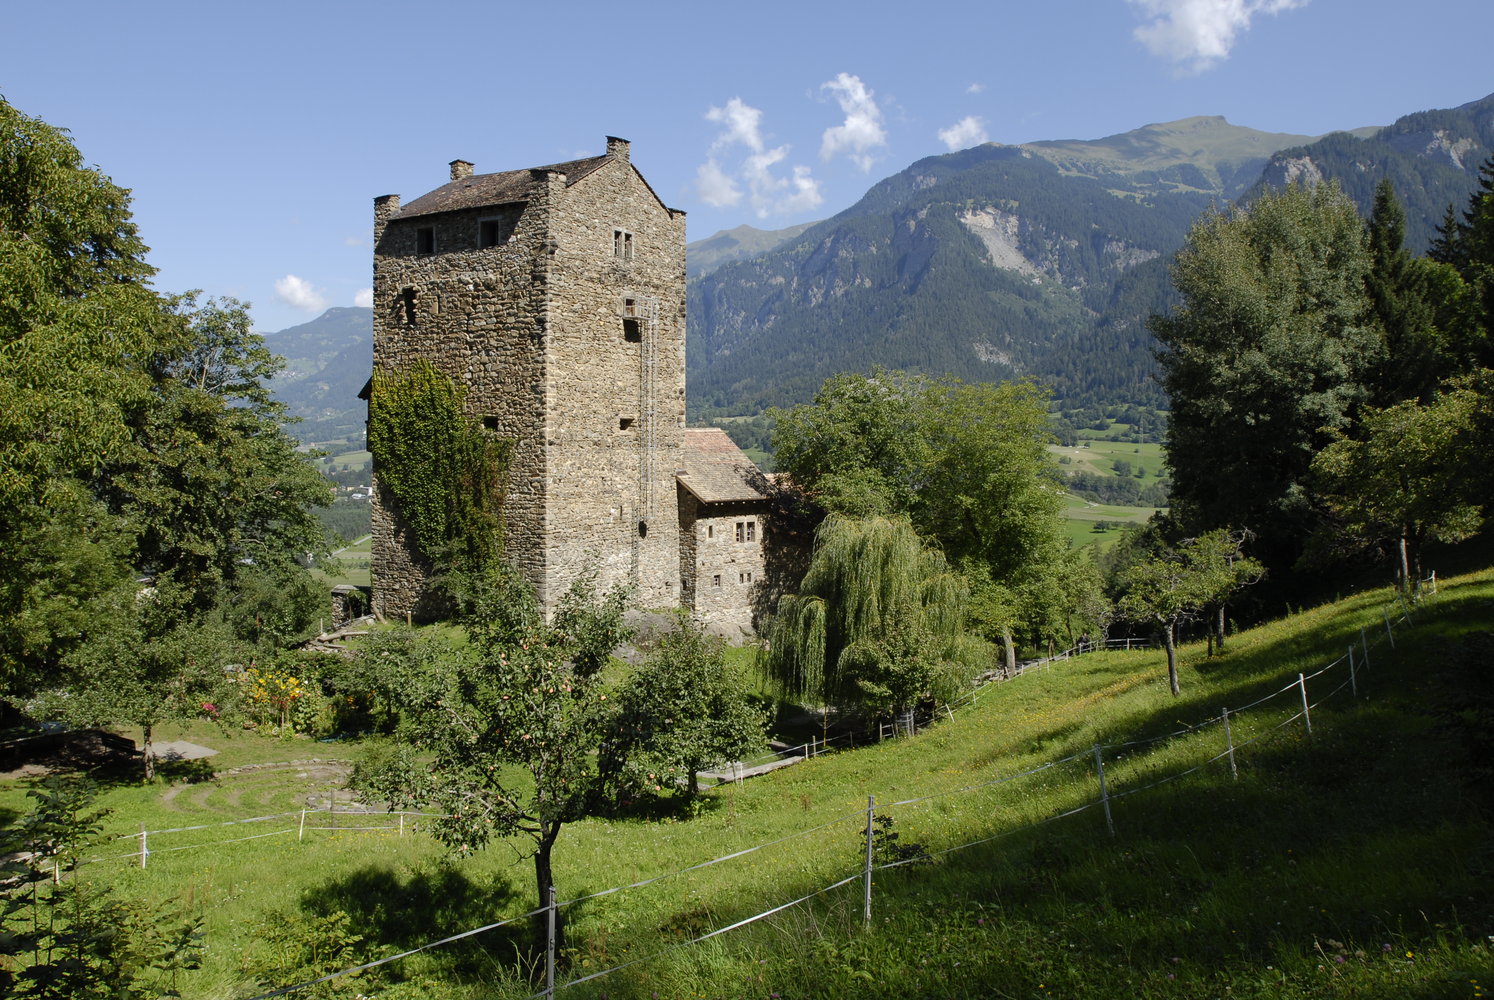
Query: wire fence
[[1122, 769]]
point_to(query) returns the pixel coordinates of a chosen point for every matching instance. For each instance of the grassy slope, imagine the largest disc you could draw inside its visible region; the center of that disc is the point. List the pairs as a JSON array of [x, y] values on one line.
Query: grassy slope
[[1370, 834]]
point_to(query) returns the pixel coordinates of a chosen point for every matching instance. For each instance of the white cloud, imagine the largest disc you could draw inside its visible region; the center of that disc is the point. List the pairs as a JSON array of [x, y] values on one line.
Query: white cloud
[[364, 298], [716, 188], [767, 193], [975, 88], [743, 124], [1197, 34], [968, 131], [354, 241], [298, 292], [862, 130]]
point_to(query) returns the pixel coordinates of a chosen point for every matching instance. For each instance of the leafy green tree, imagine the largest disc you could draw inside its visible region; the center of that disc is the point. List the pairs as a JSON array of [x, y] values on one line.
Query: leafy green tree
[[1224, 569], [1164, 592], [966, 464], [877, 623], [1266, 358], [504, 738], [1411, 475], [75, 316], [682, 712], [856, 449], [137, 437]]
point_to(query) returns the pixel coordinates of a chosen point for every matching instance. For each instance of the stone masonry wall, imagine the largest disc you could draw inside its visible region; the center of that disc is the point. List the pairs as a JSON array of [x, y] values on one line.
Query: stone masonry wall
[[474, 319], [726, 574], [615, 390], [534, 329]]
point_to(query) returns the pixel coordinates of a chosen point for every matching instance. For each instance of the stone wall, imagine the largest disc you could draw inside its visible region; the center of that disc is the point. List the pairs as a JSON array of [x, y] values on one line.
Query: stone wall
[[725, 574], [534, 328]]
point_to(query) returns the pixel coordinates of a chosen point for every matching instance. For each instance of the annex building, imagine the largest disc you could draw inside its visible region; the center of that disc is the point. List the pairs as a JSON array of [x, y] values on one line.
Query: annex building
[[556, 296]]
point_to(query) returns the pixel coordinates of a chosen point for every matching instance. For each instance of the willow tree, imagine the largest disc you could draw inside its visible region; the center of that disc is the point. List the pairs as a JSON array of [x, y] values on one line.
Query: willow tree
[[877, 621]]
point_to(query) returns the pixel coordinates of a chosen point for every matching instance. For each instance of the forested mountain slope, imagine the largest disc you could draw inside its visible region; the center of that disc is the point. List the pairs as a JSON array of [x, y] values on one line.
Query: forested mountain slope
[[1042, 260]]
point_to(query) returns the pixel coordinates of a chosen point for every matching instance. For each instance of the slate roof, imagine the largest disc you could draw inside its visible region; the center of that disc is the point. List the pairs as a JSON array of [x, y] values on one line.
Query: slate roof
[[715, 469], [484, 190]]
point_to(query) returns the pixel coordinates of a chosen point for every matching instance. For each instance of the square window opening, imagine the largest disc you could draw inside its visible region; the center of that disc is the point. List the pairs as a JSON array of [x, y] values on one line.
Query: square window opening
[[625, 423], [425, 239], [632, 331], [490, 233]]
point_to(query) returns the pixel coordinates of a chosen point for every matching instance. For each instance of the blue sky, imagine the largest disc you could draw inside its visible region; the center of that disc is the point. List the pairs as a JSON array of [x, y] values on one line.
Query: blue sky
[[256, 135]]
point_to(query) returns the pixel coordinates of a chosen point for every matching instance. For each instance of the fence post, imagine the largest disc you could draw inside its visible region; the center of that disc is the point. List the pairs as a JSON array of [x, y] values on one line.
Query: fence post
[[401, 824], [332, 808], [550, 942], [871, 806], [144, 848], [1306, 717], [301, 833], [1364, 645], [1229, 743], [56, 872], [1386, 615], [1353, 683], [1434, 583], [1104, 794]]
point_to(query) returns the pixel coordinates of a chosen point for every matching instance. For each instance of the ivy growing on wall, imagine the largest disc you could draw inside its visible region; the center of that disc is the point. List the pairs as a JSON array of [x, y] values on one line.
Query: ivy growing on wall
[[446, 473]]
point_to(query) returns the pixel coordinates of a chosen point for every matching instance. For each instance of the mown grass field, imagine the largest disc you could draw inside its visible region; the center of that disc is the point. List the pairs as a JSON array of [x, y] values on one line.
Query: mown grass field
[[351, 565], [1352, 863]]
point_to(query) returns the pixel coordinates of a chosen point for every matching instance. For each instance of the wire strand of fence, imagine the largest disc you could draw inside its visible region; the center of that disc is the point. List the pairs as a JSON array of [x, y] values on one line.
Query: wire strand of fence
[[987, 784], [704, 937], [283, 990], [238, 840], [716, 861]]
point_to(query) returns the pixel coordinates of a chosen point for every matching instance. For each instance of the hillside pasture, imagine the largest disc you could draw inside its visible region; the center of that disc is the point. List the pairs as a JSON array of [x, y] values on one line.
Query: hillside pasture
[[1248, 886]]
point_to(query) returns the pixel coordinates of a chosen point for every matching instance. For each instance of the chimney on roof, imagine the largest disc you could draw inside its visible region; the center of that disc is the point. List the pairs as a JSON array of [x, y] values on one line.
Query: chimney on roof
[[618, 148], [460, 169]]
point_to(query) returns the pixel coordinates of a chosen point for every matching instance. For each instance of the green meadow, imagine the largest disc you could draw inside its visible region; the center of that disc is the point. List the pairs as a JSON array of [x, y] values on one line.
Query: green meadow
[[1351, 862]]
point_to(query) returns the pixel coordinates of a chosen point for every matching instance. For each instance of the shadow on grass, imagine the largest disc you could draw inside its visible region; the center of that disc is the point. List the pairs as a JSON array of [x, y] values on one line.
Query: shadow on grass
[[186, 772], [400, 910]]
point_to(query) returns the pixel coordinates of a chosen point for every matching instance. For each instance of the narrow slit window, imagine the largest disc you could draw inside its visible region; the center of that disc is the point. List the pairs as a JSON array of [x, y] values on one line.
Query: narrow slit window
[[716, 580], [710, 531], [407, 300]]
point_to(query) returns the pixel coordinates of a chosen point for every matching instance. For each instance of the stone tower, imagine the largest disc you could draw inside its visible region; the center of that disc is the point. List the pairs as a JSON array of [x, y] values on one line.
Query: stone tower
[[556, 296]]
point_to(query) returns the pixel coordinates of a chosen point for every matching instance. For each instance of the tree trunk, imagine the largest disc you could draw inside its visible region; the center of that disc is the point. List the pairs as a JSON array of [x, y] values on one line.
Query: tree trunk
[[1172, 658], [148, 750], [1405, 567], [1219, 627], [1010, 669], [544, 877]]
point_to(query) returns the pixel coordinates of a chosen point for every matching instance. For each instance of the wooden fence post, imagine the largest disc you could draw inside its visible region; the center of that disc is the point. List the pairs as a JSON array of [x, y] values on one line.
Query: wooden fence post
[[871, 806], [301, 833], [1229, 743], [1104, 794], [144, 847], [550, 943], [1306, 716]]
